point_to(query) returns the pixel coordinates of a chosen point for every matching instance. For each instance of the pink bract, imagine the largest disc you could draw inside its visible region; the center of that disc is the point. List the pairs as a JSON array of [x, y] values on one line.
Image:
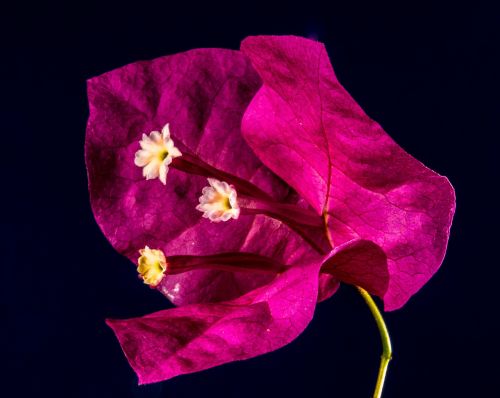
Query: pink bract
[[199, 336], [305, 144], [202, 94], [306, 128]]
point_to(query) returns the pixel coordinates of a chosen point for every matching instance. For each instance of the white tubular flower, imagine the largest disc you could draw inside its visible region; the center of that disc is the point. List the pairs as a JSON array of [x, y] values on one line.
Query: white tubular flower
[[152, 265], [219, 201], [156, 153]]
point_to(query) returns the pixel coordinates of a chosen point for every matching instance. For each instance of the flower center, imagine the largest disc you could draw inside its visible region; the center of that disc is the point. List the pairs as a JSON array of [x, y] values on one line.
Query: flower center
[[218, 201], [152, 266], [163, 155]]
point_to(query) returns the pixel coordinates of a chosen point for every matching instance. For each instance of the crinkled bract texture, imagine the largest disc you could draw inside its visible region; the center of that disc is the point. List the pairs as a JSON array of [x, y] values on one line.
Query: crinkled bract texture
[[306, 128], [305, 144], [202, 94], [196, 337]]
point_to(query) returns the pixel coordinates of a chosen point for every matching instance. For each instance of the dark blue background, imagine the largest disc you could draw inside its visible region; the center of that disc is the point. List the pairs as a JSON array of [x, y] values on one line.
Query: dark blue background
[[427, 74]]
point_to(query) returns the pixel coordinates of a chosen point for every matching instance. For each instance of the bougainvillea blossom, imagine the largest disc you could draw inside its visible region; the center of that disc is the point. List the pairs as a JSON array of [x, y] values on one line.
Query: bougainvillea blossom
[[242, 253]]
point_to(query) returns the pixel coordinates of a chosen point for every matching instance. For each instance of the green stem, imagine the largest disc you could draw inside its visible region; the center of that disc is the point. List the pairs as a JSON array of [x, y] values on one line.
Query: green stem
[[386, 342]]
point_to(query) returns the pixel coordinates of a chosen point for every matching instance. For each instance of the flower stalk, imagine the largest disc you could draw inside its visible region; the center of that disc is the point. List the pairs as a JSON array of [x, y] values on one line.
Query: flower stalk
[[386, 342]]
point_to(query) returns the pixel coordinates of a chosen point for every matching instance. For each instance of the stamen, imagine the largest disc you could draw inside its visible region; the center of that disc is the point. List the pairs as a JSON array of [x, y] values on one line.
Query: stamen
[[152, 266], [156, 153], [218, 201]]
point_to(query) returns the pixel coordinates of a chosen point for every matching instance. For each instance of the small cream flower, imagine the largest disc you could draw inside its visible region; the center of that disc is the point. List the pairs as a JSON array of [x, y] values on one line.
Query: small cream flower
[[219, 201], [152, 266], [157, 153]]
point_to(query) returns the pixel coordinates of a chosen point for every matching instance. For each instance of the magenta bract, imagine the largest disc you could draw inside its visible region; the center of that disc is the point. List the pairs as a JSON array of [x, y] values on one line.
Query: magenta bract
[[306, 128], [202, 94], [342, 203], [199, 336]]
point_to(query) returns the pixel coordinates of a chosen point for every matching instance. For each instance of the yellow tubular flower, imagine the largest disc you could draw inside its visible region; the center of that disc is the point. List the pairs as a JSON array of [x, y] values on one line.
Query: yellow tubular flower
[[152, 266]]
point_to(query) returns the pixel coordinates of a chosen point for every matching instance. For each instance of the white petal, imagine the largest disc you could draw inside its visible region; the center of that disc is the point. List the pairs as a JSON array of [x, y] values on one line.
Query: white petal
[[226, 188], [167, 160], [216, 184], [163, 173], [151, 170], [156, 137], [213, 215], [172, 150], [142, 158], [148, 145], [233, 200], [165, 132]]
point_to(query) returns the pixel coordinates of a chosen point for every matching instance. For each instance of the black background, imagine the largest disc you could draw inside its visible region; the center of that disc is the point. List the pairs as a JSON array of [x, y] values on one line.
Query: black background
[[426, 73]]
